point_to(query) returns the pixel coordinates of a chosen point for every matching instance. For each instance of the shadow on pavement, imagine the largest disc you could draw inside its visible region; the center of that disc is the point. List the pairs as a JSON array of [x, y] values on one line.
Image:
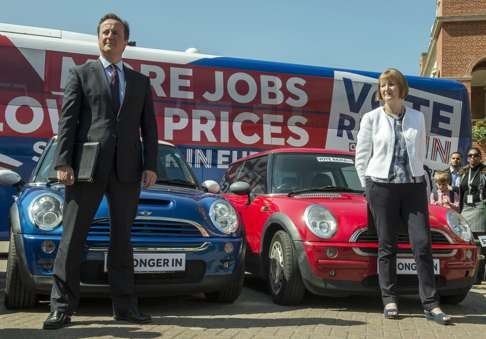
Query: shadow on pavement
[[236, 323], [410, 306], [84, 332]]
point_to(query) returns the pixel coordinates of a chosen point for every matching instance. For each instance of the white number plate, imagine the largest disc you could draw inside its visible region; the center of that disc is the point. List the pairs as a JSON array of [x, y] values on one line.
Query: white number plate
[[156, 262], [408, 266], [482, 240]]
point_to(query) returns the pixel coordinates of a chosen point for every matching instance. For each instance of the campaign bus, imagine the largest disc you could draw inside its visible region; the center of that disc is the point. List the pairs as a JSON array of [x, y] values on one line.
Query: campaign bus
[[215, 109]]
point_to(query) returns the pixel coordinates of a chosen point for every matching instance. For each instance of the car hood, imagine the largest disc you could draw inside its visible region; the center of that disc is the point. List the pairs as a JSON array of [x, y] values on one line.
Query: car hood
[[160, 201], [349, 210]]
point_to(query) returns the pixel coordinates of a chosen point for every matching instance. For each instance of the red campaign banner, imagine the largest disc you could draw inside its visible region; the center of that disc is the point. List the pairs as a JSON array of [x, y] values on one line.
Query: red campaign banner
[[262, 109], [202, 84], [235, 127]]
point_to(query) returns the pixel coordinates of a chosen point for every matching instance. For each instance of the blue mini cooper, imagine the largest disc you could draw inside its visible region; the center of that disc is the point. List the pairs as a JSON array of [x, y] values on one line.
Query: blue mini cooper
[[185, 238]]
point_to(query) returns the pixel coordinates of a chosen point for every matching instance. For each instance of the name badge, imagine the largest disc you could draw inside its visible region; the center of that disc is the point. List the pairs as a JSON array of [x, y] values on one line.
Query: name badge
[[469, 199], [482, 240]]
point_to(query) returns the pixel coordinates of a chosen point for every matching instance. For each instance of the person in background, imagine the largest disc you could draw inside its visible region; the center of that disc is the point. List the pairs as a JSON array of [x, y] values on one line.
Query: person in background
[[390, 155], [454, 171], [473, 194], [443, 195]]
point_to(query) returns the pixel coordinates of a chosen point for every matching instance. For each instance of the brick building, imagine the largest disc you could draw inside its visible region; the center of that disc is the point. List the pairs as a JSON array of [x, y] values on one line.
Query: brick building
[[457, 49]]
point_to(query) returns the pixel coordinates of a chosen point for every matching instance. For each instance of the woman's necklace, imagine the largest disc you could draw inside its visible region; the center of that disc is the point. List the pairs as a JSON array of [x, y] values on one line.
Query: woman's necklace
[[394, 115]]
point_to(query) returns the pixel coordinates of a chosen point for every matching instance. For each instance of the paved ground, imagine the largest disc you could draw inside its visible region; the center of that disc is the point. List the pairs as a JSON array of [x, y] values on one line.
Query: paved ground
[[253, 316]]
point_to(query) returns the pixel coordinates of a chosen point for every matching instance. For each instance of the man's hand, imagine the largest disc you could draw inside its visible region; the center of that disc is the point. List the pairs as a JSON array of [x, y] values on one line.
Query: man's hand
[[148, 178], [65, 175]]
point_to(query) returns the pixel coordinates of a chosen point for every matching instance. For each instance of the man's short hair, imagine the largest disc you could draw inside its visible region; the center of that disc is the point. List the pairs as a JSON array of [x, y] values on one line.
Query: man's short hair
[[113, 16], [458, 153]]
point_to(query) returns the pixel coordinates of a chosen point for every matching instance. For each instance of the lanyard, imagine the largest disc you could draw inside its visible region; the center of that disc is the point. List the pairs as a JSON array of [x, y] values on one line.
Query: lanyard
[[470, 180]]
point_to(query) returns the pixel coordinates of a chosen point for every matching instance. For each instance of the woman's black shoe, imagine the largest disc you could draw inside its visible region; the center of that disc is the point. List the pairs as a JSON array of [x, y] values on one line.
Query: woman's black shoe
[[391, 313], [56, 320], [440, 318]]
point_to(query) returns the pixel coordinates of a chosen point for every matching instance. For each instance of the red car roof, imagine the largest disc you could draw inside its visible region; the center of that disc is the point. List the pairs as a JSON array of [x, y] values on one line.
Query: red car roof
[[296, 150]]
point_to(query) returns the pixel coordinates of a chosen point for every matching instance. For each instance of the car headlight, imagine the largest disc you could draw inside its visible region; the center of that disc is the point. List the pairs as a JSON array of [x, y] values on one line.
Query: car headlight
[[223, 216], [320, 221], [45, 211], [458, 224]]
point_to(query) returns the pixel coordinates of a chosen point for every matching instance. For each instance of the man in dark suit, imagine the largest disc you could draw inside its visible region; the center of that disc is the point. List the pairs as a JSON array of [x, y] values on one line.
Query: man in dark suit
[[108, 103]]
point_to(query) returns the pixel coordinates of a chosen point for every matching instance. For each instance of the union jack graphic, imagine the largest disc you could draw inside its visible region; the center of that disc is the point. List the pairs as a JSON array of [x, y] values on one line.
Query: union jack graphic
[[7, 162]]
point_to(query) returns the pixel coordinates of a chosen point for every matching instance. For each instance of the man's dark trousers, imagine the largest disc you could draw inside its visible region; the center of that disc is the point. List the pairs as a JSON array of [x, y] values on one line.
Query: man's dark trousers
[[81, 202], [393, 205]]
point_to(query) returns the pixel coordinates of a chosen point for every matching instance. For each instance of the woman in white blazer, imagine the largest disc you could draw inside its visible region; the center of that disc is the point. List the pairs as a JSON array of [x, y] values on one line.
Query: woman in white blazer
[[390, 154]]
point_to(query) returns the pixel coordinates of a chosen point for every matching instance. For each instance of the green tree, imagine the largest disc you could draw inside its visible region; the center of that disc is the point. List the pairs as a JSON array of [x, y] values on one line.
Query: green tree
[[479, 132]]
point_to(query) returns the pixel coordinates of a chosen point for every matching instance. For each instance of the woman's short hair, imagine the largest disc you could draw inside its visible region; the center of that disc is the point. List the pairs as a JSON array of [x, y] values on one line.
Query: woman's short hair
[[474, 149], [397, 76], [441, 177]]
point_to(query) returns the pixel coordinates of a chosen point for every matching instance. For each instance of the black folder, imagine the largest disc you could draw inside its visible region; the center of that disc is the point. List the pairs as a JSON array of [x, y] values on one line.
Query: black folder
[[85, 157]]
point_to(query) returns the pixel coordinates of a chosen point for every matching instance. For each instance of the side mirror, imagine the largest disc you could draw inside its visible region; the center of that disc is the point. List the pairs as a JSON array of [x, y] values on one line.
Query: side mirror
[[9, 178], [211, 186], [240, 188]]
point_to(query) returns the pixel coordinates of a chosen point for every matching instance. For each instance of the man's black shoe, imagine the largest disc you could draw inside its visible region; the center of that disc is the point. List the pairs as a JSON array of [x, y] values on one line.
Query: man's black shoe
[[133, 316], [56, 320]]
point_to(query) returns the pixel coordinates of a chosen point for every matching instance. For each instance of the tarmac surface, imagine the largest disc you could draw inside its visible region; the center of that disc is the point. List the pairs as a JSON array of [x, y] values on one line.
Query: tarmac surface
[[253, 315]]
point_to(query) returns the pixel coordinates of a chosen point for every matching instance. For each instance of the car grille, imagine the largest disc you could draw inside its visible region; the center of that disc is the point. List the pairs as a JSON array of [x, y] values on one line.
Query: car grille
[[150, 228], [403, 281], [92, 272], [363, 236]]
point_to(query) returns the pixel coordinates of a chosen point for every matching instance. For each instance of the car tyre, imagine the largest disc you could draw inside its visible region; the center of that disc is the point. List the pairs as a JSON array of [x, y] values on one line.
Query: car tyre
[[17, 295], [454, 299], [284, 277], [480, 276], [232, 291]]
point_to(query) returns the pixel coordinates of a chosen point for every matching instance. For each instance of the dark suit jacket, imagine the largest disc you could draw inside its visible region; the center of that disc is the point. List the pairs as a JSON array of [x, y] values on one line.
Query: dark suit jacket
[[87, 115]]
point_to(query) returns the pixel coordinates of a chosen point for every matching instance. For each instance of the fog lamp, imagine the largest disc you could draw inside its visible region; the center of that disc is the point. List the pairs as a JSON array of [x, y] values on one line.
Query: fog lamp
[[332, 252], [48, 246], [228, 248]]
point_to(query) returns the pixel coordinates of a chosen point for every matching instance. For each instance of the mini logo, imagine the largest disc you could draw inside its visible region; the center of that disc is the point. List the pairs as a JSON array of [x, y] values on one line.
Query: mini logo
[[145, 213]]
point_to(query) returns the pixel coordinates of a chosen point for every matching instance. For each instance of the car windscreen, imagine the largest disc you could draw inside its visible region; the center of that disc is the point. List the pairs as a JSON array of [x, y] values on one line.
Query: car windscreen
[[292, 172], [171, 168]]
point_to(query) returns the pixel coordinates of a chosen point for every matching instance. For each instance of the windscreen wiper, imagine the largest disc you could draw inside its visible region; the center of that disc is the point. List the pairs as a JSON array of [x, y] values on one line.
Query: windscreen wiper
[[179, 182], [324, 189]]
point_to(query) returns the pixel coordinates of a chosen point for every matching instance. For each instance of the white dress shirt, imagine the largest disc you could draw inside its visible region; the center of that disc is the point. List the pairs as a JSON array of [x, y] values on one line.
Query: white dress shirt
[[121, 75]]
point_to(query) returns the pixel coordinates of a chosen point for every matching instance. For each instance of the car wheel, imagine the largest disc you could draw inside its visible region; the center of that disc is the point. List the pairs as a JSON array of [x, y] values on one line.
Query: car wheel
[[284, 276], [453, 299], [480, 276], [17, 295], [232, 291]]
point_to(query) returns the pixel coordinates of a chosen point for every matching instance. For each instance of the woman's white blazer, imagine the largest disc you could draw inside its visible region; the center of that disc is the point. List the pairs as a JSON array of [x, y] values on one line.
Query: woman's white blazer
[[376, 141]]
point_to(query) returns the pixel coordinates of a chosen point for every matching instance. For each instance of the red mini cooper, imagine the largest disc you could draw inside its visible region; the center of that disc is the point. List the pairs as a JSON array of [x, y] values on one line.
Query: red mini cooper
[[306, 225]]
